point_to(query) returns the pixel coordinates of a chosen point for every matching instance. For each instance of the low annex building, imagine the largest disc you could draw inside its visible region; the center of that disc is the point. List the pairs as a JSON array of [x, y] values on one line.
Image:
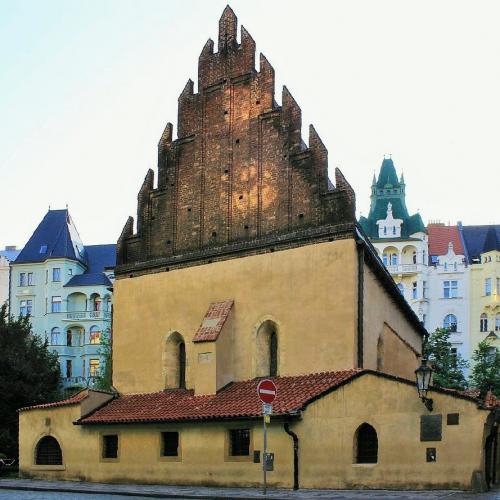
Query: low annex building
[[247, 262]]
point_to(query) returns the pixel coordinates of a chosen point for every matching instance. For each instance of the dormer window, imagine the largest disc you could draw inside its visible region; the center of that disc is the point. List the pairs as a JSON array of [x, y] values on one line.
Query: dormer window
[[393, 229], [43, 249]]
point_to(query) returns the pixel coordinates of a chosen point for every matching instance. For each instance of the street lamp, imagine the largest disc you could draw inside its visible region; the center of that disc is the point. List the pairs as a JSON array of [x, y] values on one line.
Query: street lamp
[[423, 374]]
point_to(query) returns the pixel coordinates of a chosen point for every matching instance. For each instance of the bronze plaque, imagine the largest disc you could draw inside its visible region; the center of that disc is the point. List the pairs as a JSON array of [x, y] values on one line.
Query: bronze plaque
[[452, 419], [431, 427]]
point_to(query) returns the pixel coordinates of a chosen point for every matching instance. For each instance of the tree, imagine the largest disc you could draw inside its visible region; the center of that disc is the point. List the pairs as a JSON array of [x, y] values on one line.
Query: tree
[[485, 374], [29, 375], [448, 366], [104, 381]]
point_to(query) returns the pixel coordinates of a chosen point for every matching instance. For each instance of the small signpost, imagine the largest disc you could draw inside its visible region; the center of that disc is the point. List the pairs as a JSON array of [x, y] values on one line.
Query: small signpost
[[266, 391]]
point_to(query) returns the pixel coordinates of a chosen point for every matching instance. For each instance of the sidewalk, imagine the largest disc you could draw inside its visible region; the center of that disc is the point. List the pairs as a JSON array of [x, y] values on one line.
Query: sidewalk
[[191, 492]]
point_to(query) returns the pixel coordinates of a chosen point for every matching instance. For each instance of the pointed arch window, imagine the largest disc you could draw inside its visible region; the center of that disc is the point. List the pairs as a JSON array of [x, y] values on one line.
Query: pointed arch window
[[182, 365], [366, 445], [48, 452], [267, 350], [174, 362]]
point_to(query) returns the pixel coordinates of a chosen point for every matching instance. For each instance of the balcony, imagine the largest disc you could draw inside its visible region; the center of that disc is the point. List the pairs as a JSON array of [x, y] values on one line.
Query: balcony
[[405, 268], [88, 315]]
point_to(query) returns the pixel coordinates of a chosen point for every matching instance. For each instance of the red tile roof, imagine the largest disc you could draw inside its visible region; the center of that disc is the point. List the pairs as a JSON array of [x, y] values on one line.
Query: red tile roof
[[213, 321], [73, 400], [440, 237], [238, 400], [491, 401]]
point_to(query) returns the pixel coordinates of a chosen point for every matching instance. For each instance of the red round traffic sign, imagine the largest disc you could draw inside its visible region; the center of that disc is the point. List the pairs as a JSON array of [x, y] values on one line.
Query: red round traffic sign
[[267, 391]]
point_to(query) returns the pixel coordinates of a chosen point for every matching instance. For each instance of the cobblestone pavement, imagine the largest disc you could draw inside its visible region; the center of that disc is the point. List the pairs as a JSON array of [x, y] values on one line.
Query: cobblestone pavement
[[45, 490]]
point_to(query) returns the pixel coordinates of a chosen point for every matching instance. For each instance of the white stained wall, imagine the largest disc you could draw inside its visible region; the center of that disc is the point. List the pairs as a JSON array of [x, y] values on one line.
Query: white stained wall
[[451, 268], [4, 279]]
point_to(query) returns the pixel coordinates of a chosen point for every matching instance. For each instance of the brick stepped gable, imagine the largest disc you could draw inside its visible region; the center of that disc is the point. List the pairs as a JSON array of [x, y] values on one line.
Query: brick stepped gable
[[239, 170]]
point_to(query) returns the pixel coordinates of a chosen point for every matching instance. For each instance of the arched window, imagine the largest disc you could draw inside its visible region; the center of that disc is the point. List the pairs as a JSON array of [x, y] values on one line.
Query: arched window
[[174, 362], [69, 338], [394, 259], [497, 322], [54, 335], [450, 322], [414, 257], [483, 323], [182, 365], [95, 335], [48, 452], [366, 445], [267, 350]]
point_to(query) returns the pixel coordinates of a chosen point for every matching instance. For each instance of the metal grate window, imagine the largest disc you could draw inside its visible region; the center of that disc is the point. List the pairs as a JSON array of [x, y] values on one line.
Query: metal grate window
[[110, 446], [366, 445], [170, 444], [240, 442], [48, 452]]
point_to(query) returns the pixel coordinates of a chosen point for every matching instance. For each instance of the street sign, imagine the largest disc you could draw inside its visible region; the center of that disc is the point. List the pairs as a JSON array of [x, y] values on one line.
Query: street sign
[[267, 409], [266, 391]]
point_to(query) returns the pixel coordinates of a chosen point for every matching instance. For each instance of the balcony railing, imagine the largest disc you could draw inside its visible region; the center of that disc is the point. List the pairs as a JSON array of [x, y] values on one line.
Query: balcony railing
[[83, 315], [405, 268]]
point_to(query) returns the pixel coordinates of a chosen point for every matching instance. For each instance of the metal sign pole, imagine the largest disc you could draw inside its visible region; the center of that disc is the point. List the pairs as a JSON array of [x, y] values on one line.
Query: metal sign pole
[[264, 454]]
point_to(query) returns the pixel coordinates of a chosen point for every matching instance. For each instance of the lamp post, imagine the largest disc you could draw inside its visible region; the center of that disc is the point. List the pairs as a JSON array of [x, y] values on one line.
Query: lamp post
[[423, 374]]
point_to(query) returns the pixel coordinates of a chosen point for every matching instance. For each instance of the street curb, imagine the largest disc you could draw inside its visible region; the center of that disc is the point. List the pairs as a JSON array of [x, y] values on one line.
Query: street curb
[[187, 496]]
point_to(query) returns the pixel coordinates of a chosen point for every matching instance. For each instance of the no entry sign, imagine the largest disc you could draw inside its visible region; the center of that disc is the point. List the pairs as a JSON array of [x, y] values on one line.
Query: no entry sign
[[266, 391]]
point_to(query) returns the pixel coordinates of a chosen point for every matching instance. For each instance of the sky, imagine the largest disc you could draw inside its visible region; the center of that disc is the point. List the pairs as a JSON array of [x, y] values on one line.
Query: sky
[[87, 86]]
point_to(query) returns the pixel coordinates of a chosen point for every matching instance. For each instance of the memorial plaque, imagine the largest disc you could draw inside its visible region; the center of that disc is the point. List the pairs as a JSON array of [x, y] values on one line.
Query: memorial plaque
[[431, 427], [452, 419]]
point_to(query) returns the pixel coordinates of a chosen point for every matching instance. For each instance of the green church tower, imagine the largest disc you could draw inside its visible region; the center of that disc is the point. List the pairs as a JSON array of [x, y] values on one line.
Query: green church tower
[[389, 217]]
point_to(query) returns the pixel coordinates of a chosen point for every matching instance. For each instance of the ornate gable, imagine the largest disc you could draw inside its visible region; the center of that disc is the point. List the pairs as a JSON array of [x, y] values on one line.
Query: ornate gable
[[239, 174]]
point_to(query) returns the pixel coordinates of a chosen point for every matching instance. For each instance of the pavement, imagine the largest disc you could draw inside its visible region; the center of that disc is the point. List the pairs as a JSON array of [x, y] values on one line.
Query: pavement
[[200, 492]]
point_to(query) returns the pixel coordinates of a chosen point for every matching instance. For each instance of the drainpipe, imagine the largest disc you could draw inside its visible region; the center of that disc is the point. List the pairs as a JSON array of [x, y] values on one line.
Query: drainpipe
[[295, 438], [360, 340]]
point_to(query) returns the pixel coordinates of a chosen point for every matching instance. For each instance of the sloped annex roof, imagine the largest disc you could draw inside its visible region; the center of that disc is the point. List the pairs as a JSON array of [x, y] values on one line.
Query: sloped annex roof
[[236, 401], [55, 237], [213, 321], [73, 400], [439, 238]]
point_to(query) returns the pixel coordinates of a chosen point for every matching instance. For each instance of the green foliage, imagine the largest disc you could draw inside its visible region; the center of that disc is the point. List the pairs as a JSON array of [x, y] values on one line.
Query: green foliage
[[105, 379], [29, 375], [448, 367], [485, 373]]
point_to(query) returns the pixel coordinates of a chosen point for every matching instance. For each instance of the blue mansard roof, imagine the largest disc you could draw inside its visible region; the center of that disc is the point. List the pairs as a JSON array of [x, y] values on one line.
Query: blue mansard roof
[[55, 237], [10, 255], [480, 239], [99, 258]]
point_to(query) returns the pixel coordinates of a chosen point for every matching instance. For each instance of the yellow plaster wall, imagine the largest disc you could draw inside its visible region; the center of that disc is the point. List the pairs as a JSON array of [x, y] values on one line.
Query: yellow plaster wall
[[381, 318], [327, 439], [481, 303], [310, 292], [326, 445]]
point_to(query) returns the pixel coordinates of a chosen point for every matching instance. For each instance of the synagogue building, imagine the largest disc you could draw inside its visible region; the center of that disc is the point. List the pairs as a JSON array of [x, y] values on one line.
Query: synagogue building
[[245, 261]]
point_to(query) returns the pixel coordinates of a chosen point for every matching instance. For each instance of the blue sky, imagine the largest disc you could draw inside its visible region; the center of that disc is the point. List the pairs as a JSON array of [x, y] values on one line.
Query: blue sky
[[86, 88]]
